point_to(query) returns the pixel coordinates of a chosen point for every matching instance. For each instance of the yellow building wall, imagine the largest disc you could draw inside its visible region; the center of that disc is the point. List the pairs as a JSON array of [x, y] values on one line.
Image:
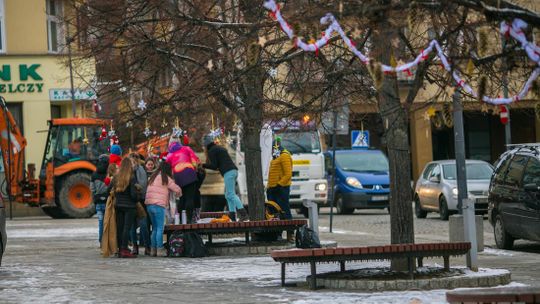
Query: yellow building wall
[[421, 145], [26, 26]]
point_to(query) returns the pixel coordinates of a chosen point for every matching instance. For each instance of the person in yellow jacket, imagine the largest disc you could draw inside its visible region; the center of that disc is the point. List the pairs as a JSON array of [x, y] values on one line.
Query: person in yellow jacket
[[279, 177]]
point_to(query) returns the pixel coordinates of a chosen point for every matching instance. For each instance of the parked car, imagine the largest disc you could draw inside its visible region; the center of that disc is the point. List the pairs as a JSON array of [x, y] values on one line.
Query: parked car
[[362, 180], [436, 189], [514, 196], [3, 236]]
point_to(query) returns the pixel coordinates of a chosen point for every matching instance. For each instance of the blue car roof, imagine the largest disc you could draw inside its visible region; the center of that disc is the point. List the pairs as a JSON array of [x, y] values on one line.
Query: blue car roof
[[353, 151]]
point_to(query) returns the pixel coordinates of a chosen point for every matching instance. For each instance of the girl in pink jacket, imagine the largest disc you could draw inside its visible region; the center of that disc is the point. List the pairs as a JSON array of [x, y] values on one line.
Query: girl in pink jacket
[[157, 199]]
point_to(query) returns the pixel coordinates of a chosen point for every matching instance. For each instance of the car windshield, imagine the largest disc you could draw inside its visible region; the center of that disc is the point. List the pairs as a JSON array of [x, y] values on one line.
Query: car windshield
[[362, 162], [301, 142], [474, 171]]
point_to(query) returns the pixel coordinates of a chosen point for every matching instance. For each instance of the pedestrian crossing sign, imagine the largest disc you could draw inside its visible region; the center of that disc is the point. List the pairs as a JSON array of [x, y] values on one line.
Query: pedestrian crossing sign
[[359, 139]]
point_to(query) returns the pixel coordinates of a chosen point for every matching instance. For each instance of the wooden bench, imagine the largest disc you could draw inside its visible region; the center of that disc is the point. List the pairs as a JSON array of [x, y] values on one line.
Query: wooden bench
[[495, 295], [247, 228], [341, 255]]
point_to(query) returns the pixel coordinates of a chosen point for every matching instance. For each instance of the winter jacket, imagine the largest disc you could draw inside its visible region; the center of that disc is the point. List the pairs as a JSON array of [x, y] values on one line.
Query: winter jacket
[[158, 194], [115, 159], [219, 159], [280, 173], [142, 179], [183, 161], [129, 197], [98, 186]]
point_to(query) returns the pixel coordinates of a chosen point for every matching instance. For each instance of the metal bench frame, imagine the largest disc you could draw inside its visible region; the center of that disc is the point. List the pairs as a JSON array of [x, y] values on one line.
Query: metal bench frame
[[349, 254]]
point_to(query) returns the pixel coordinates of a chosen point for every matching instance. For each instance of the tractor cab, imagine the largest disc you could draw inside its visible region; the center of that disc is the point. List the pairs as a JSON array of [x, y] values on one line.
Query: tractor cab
[[71, 153]]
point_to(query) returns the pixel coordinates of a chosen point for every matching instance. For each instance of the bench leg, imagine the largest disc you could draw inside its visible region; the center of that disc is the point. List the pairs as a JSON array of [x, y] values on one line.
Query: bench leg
[[247, 238], [420, 262], [210, 238], [313, 278], [410, 264], [446, 263], [342, 266], [282, 274]]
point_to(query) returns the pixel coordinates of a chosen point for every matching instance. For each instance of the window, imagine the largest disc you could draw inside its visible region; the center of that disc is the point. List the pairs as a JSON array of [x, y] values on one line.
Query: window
[[515, 171], [473, 171], [502, 168], [55, 32], [427, 171], [436, 172], [362, 162], [2, 28], [56, 112], [532, 172]]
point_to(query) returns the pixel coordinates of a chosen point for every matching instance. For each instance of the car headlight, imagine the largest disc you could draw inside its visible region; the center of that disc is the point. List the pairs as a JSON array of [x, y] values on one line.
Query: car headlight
[[353, 182], [454, 192], [320, 187]]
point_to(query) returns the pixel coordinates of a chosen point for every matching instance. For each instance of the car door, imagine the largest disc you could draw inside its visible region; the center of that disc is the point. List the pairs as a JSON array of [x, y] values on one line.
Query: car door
[[529, 201], [422, 187], [509, 206], [434, 187]]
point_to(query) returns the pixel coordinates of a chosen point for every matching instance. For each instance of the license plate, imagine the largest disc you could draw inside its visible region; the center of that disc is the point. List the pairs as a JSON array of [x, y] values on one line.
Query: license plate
[[379, 198], [295, 187], [481, 200]]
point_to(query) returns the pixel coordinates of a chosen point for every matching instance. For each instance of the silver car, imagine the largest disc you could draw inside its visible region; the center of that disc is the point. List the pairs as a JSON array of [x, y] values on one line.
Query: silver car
[[436, 189]]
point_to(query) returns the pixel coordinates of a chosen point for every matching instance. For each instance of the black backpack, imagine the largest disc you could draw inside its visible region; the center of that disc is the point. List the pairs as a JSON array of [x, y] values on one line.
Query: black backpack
[[307, 238], [176, 245], [194, 245]]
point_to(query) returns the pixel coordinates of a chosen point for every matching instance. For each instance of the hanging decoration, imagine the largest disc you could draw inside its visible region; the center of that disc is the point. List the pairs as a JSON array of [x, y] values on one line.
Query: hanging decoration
[[129, 124], [514, 30], [484, 108], [96, 106], [112, 136], [164, 123], [147, 132], [103, 134], [141, 105], [210, 65], [447, 115], [177, 132], [272, 72], [431, 111]]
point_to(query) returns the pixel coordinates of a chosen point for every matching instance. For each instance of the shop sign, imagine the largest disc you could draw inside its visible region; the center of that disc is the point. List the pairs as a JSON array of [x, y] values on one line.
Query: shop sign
[[65, 94], [29, 79]]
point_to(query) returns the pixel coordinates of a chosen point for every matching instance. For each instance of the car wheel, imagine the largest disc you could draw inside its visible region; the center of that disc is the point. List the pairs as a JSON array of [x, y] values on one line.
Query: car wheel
[[443, 209], [503, 240], [418, 211], [340, 206]]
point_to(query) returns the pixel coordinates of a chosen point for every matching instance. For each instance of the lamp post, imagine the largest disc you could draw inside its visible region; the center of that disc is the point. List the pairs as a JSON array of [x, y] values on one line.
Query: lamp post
[[69, 40]]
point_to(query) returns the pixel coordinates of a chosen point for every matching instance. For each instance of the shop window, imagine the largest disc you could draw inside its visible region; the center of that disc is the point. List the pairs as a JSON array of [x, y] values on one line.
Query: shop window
[[55, 31], [56, 112], [2, 28]]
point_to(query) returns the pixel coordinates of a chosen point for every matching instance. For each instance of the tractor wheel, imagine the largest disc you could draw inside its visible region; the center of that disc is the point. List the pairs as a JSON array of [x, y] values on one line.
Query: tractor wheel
[[74, 196], [54, 212]]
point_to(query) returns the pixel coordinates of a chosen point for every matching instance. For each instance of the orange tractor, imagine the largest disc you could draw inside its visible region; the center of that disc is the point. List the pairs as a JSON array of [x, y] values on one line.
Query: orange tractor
[[62, 188]]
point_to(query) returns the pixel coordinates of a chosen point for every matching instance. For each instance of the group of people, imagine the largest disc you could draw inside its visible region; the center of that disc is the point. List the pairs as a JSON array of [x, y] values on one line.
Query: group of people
[[143, 193]]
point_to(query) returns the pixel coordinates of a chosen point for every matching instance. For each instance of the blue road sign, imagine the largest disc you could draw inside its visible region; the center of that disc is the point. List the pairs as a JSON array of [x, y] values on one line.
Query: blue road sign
[[359, 139]]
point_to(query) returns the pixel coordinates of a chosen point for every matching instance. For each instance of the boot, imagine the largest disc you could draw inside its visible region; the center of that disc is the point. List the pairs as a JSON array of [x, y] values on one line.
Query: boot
[[244, 217], [135, 250], [147, 251], [124, 253], [154, 252], [162, 252], [232, 216]]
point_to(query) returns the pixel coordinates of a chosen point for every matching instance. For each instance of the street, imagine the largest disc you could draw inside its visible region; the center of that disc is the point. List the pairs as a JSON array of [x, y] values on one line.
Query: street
[[58, 261]]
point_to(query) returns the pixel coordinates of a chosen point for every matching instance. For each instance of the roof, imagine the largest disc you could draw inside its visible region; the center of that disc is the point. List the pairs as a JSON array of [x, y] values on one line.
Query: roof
[[453, 161], [78, 121], [352, 151]]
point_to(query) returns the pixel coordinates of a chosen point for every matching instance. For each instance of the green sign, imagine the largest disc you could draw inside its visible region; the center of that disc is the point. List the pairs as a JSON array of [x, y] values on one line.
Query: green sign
[[65, 94], [26, 73]]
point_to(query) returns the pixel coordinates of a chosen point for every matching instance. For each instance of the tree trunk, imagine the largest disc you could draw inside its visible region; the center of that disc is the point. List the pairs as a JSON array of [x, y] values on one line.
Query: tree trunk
[[395, 122], [255, 187]]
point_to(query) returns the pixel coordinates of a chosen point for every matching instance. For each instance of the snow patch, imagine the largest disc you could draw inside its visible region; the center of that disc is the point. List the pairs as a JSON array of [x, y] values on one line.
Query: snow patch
[[52, 233], [497, 252], [339, 231]]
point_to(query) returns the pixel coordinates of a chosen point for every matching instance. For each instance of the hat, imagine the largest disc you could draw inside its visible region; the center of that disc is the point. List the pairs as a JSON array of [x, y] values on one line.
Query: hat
[[174, 146], [116, 150], [208, 139]]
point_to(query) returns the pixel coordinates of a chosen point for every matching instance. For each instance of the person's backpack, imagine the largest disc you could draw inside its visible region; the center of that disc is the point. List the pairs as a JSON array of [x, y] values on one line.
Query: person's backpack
[[307, 238], [176, 245], [194, 246]]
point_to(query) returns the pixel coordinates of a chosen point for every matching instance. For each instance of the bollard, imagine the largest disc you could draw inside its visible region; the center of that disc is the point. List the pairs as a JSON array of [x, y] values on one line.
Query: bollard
[[313, 213]]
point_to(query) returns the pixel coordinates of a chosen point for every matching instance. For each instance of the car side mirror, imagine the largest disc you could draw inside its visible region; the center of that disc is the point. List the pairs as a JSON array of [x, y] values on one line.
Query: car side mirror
[[531, 187], [435, 179]]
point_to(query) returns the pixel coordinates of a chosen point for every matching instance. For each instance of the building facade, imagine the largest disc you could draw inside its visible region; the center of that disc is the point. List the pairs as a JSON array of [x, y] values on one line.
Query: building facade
[[34, 69]]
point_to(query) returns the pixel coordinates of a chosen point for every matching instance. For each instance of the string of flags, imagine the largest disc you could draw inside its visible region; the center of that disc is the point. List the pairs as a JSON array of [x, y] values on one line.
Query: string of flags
[[514, 30]]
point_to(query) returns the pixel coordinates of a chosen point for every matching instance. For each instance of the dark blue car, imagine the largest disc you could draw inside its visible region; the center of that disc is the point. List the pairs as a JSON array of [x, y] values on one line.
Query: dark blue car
[[362, 180]]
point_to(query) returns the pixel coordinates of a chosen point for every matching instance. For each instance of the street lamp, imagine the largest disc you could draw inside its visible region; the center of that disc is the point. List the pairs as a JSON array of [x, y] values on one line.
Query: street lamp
[[69, 40]]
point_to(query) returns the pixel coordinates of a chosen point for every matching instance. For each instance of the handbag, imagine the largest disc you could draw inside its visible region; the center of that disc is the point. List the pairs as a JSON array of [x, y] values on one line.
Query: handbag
[[141, 213]]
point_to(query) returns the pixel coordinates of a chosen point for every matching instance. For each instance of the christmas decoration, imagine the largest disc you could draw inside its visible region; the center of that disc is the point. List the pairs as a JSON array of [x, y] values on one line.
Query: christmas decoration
[[103, 134], [262, 41], [164, 123], [272, 72], [431, 111], [446, 115], [210, 65], [147, 132], [484, 108], [96, 106], [129, 124], [495, 110], [141, 105], [514, 30]]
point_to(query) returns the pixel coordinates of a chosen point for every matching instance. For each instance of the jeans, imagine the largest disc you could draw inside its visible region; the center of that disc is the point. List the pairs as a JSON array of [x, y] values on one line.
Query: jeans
[[100, 211], [157, 216], [280, 195], [233, 201], [144, 232], [125, 217]]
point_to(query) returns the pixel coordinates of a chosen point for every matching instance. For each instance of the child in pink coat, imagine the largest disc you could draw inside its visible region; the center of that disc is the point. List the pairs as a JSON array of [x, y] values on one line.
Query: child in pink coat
[[161, 183]]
